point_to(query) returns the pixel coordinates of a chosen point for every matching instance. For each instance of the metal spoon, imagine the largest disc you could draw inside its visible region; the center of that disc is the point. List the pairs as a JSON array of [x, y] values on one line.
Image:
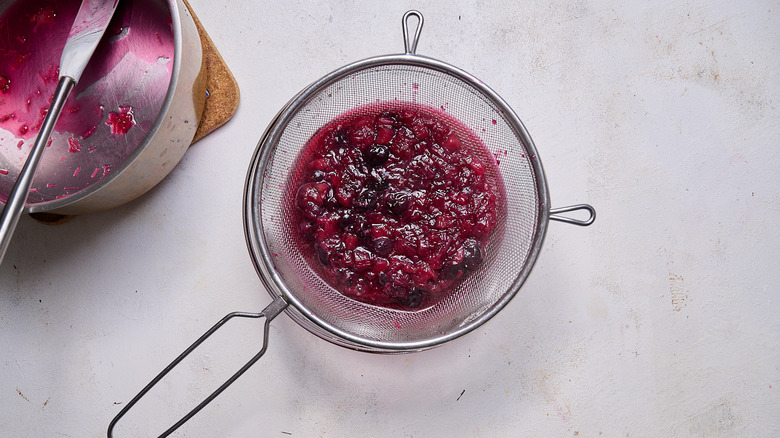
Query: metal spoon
[[85, 34]]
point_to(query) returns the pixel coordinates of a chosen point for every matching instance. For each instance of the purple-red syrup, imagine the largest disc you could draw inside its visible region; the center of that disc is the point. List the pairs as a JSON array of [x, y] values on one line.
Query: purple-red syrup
[[396, 204]]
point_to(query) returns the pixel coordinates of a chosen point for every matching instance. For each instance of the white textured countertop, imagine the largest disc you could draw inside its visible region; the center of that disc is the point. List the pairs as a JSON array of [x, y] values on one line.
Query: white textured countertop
[[661, 319]]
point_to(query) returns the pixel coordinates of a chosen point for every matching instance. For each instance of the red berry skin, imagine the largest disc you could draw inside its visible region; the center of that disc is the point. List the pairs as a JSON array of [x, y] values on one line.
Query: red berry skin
[[384, 134], [312, 193], [362, 259], [323, 164], [452, 143], [363, 132]]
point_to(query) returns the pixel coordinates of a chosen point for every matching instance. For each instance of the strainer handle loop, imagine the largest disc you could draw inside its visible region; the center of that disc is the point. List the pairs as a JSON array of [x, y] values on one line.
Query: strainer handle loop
[[269, 313], [410, 47], [555, 214]]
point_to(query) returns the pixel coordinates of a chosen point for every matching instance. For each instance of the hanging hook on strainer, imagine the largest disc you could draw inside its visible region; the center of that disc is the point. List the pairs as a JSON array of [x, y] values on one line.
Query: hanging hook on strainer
[[271, 229]]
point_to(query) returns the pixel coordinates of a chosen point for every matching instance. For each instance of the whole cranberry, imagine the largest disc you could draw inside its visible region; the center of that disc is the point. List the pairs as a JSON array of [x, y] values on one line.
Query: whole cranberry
[[472, 254], [365, 200], [313, 193], [377, 155], [398, 202], [382, 246]]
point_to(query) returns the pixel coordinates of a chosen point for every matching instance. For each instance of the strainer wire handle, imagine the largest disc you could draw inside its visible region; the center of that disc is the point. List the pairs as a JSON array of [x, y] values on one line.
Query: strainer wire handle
[[269, 313], [555, 214], [410, 46]]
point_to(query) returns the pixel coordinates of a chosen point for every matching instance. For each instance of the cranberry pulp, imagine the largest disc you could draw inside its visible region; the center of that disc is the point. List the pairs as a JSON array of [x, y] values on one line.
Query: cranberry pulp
[[396, 204]]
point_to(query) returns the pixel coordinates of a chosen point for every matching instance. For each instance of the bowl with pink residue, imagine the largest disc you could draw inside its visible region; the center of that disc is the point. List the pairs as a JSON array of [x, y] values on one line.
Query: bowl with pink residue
[[127, 123]]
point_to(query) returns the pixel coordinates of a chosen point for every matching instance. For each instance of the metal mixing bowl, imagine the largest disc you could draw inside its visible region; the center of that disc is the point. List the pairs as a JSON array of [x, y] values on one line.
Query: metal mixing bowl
[[149, 64]]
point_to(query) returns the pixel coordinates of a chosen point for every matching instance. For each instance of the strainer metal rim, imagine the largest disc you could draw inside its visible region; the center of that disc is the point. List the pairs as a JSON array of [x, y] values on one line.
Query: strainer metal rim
[[254, 230]]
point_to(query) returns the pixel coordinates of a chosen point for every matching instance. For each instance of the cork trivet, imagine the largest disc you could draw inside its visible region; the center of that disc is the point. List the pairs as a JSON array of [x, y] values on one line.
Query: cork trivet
[[221, 87], [221, 102]]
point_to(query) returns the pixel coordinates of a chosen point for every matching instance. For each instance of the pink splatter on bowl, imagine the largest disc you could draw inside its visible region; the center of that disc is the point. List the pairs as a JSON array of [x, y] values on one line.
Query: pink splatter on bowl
[[125, 124]]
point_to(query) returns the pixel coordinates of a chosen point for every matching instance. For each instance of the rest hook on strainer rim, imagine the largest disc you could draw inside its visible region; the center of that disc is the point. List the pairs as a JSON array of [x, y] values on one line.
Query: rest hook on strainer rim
[[318, 307]]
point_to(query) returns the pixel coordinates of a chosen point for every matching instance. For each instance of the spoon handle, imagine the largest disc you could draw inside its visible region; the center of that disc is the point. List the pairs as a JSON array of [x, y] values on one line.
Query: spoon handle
[[18, 197]]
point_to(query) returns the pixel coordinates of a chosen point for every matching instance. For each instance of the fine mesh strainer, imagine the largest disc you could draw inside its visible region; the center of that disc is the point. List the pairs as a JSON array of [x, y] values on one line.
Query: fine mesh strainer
[[271, 228], [272, 231]]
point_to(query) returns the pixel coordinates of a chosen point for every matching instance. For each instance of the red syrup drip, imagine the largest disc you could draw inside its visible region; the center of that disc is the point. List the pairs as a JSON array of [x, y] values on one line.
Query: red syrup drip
[[88, 132]]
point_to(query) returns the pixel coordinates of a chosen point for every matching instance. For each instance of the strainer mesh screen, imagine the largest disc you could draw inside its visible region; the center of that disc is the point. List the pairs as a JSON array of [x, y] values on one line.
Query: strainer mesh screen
[[506, 254]]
